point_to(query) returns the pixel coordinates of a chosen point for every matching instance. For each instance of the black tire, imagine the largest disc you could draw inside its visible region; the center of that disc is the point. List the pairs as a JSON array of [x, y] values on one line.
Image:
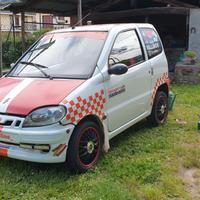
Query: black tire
[[85, 147], [160, 110]]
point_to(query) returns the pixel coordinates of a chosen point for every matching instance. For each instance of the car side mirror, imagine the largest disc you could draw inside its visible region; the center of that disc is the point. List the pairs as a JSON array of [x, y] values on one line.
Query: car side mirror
[[12, 65], [118, 69]]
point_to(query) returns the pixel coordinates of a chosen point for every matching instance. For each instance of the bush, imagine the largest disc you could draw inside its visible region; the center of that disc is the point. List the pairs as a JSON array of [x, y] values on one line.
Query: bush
[[190, 54], [37, 34], [11, 54]]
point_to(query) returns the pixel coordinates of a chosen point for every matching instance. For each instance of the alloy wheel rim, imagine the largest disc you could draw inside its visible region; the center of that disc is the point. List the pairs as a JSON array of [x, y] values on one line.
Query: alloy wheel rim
[[88, 146], [161, 109]]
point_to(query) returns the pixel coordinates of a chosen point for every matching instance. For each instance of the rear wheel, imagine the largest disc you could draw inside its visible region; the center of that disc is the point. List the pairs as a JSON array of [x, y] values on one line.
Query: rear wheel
[[84, 147], [160, 109]]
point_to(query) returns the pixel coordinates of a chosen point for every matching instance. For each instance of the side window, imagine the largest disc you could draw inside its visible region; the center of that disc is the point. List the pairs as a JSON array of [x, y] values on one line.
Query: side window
[[126, 49], [152, 42]]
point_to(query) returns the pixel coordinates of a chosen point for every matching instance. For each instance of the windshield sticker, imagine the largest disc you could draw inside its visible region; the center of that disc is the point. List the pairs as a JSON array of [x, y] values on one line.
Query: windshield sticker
[[84, 34], [116, 91]]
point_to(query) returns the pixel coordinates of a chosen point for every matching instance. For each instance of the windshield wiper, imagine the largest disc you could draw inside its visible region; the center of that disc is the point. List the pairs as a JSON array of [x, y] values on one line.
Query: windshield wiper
[[39, 67], [44, 46]]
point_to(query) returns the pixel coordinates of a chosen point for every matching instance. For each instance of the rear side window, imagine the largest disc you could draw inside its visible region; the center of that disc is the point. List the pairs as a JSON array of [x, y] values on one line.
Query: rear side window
[[152, 42], [126, 49]]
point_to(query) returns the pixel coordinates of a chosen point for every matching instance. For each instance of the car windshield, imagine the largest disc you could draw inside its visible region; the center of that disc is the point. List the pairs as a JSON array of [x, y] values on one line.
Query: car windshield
[[62, 55]]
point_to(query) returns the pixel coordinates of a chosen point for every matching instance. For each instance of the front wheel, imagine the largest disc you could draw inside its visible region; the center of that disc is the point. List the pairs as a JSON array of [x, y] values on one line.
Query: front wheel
[[160, 109], [84, 147]]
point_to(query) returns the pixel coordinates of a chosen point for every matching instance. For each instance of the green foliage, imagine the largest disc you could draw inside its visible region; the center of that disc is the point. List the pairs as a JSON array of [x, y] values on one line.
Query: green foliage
[[37, 34], [12, 53], [190, 54]]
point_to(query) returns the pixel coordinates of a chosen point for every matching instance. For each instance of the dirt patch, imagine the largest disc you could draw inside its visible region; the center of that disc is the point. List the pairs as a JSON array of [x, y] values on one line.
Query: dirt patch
[[192, 180]]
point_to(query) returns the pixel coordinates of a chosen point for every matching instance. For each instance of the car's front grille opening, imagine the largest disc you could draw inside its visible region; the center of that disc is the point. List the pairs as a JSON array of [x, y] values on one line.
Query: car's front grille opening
[[9, 123], [40, 147], [18, 123]]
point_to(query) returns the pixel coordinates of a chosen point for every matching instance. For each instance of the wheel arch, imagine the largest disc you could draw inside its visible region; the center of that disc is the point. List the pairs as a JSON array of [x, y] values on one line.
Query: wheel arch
[[71, 155], [95, 119], [164, 88]]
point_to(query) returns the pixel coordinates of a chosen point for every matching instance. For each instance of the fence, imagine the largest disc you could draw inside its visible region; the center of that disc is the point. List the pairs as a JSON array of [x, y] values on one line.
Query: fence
[[34, 26]]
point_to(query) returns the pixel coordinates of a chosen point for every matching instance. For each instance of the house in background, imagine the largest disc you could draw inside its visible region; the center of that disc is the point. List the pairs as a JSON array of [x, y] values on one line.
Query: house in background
[[7, 20], [51, 21], [33, 21]]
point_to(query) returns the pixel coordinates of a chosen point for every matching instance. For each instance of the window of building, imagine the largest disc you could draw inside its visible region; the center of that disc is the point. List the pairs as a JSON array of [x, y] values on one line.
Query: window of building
[[61, 18], [17, 19]]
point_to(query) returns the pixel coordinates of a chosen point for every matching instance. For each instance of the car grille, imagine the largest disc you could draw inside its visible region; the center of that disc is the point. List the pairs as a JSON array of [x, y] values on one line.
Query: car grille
[[11, 121]]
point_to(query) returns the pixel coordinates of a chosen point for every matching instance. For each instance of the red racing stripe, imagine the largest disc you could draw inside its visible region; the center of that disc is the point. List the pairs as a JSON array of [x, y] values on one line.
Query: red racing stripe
[[6, 85], [4, 152], [42, 93]]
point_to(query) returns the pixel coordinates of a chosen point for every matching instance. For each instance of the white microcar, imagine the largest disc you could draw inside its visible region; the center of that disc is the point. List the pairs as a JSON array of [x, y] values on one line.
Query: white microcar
[[75, 89]]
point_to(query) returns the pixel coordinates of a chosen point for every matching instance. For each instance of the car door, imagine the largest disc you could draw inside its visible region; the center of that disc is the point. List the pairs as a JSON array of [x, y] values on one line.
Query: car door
[[128, 94], [155, 53]]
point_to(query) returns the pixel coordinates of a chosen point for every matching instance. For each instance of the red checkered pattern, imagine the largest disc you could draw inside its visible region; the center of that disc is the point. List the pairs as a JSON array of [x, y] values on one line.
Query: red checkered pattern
[[159, 82], [79, 108]]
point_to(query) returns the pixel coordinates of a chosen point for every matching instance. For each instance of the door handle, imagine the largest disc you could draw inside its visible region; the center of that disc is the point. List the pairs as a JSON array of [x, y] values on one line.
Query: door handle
[[152, 71]]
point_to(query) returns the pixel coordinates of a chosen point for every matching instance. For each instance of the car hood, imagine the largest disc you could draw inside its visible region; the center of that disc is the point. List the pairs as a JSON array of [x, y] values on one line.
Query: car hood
[[21, 96]]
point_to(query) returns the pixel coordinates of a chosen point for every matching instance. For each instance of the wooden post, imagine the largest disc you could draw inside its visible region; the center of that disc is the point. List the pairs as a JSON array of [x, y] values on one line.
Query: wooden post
[[23, 31], [134, 3], [73, 20], [80, 12], [40, 15], [13, 29], [187, 30]]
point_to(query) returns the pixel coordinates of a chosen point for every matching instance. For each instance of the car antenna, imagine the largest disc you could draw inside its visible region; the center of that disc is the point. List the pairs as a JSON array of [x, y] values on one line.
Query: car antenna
[[74, 26]]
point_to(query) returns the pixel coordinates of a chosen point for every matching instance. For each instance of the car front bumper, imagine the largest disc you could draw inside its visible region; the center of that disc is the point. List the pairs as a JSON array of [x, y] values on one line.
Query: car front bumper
[[14, 142]]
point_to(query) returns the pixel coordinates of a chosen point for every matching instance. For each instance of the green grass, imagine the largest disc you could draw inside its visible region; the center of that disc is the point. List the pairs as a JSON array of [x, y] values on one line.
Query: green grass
[[144, 163]]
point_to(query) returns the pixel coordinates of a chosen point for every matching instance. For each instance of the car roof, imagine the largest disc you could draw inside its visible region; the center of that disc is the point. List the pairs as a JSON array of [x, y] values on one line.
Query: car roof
[[103, 27]]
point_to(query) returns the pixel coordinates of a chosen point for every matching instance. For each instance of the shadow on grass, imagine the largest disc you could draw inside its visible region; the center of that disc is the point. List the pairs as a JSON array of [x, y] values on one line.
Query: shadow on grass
[[133, 131], [61, 170]]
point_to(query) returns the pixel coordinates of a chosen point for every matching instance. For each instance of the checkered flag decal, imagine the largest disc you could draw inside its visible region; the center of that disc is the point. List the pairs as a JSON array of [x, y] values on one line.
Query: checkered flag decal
[[159, 82], [80, 108]]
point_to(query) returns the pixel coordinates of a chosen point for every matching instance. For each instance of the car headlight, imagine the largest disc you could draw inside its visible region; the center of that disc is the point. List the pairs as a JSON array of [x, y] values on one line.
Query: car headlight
[[45, 116]]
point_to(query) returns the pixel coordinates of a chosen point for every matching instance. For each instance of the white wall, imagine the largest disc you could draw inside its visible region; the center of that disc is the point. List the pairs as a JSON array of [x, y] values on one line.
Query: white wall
[[6, 21], [194, 31]]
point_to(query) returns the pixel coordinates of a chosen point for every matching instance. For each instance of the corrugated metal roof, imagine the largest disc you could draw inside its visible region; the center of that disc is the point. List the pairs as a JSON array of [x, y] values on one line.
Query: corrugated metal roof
[[4, 6], [66, 7], [9, 1], [69, 7]]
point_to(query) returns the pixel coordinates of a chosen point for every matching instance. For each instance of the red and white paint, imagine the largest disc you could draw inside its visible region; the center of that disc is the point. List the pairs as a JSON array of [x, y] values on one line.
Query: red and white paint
[[81, 107], [162, 80], [21, 96]]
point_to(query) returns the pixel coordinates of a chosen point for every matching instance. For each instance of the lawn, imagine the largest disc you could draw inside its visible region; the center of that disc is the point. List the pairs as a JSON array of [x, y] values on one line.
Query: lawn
[[143, 163]]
